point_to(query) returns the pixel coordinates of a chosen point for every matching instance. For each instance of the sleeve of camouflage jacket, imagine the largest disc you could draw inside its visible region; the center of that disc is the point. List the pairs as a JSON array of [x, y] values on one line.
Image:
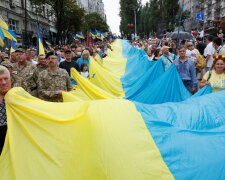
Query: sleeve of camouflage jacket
[[68, 83]]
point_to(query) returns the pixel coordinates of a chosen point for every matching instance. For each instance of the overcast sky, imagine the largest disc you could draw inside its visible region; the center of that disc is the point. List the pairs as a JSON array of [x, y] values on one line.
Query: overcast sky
[[112, 9]]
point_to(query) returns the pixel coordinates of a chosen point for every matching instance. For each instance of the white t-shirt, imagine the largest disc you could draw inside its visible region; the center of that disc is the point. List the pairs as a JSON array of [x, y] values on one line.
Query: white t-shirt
[[84, 74], [192, 54], [209, 50], [34, 62]]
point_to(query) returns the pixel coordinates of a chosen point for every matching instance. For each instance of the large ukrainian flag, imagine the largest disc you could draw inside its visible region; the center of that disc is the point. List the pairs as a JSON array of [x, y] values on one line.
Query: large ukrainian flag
[[99, 135], [127, 73]]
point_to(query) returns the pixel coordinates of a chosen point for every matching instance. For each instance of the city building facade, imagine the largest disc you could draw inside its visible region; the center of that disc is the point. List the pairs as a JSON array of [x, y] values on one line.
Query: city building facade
[[212, 9], [91, 6], [24, 24]]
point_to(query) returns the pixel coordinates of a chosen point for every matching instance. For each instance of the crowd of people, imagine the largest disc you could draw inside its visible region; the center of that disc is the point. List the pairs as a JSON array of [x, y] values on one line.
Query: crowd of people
[[198, 63], [47, 76]]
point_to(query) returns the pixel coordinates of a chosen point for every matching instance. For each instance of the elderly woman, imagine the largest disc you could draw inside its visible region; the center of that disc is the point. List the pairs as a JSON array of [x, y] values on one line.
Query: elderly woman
[[84, 59], [5, 85], [215, 77]]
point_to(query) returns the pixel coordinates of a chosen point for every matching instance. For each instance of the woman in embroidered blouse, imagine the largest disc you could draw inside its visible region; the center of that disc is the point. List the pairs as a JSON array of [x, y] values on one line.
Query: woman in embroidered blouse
[[215, 77]]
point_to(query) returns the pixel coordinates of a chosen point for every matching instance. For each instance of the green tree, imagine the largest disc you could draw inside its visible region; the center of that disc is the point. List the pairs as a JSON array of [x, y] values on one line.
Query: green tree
[[95, 22], [155, 11], [127, 9], [185, 16], [68, 15], [170, 9]]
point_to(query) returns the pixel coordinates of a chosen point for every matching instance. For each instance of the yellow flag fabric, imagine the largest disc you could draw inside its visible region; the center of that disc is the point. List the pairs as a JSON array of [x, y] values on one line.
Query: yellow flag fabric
[[41, 48], [105, 79], [74, 96], [3, 24], [1, 42], [104, 76], [97, 140], [90, 89], [99, 60], [8, 34], [6, 31], [115, 62]]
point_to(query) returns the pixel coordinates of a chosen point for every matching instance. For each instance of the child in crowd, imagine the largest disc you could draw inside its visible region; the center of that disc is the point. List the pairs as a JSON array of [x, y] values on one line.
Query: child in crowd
[[84, 72]]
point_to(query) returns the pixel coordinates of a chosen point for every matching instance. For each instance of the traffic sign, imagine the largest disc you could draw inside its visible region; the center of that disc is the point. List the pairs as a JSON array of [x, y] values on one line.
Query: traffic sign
[[200, 16]]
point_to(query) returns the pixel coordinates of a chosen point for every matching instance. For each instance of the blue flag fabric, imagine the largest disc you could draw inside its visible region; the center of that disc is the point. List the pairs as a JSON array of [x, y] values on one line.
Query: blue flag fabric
[[146, 82], [75, 38], [2, 37], [190, 135]]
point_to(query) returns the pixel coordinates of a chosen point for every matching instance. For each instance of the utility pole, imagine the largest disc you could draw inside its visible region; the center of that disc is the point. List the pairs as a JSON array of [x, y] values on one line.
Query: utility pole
[[135, 30], [25, 38], [178, 33]]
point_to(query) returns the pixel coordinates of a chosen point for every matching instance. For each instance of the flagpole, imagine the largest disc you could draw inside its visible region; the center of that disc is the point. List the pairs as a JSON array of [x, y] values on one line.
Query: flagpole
[[178, 33]]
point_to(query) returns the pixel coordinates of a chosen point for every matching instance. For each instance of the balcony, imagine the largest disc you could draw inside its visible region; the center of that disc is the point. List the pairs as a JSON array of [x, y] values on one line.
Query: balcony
[[209, 2]]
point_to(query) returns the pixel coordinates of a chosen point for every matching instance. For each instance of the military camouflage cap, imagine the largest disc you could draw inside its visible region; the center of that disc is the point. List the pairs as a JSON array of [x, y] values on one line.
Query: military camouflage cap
[[7, 64]]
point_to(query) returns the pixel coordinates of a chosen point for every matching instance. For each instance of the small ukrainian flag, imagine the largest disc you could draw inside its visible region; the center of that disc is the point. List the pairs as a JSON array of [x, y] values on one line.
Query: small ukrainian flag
[[48, 43], [80, 35], [13, 47], [93, 34]]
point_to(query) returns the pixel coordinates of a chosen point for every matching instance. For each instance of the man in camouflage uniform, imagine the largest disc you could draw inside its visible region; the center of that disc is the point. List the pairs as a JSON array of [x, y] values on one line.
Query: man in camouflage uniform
[[22, 71], [52, 81], [42, 65], [13, 57]]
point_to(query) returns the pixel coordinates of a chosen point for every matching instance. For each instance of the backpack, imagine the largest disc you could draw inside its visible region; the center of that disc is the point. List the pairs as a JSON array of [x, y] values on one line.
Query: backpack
[[201, 63]]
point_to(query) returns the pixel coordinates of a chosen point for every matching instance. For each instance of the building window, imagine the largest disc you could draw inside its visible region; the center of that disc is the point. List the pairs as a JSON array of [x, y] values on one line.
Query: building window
[[44, 11], [22, 3], [13, 25]]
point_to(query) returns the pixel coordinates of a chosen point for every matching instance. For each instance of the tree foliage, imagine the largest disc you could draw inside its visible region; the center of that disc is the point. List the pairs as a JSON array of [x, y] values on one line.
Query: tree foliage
[[68, 15], [95, 22], [149, 15], [185, 15], [127, 9], [70, 18]]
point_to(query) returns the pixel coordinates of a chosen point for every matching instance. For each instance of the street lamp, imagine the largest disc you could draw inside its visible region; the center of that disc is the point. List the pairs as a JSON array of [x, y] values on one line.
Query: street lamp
[[135, 34], [25, 38], [135, 20]]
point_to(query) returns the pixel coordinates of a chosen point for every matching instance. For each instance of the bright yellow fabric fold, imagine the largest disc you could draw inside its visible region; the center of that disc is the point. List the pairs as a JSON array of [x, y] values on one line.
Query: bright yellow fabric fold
[[97, 140], [105, 79], [90, 90], [104, 76], [115, 62]]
